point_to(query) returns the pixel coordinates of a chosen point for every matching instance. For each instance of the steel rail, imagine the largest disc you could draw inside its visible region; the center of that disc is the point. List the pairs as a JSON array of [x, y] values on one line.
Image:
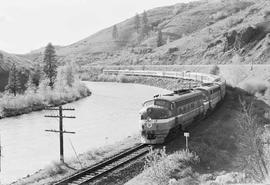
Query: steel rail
[[100, 169]]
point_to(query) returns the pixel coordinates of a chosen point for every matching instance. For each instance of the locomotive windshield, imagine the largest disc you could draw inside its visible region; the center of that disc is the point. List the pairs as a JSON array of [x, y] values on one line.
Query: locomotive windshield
[[156, 113], [158, 102]]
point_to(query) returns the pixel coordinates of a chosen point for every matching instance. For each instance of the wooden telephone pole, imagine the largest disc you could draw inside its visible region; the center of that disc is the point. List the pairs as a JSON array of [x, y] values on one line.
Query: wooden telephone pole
[[60, 131]]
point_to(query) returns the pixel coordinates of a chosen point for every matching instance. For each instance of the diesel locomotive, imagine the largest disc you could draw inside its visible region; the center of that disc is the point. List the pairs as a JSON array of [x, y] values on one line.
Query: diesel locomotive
[[164, 115]]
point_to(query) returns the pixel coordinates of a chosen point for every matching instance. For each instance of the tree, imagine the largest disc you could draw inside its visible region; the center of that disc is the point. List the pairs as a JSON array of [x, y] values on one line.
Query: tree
[[145, 18], [251, 143], [145, 26], [66, 76], [70, 73], [14, 84], [1, 58], [159, 38], [34, 79], [137, 23], [50, 64], [115, 32]]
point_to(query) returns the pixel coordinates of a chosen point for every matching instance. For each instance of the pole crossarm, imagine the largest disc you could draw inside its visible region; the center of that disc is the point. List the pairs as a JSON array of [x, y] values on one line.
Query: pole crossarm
[[56, 116], [61, 131], [68, 132], [48, 108]]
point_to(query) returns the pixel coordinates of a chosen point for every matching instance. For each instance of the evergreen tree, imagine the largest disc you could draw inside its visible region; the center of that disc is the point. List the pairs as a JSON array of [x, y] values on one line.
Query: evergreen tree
[[50, 65], [159, 38], [1, 57], [115, 32], [34, 78], [145, 18], [145, 27], [14, 84], [137, 23]]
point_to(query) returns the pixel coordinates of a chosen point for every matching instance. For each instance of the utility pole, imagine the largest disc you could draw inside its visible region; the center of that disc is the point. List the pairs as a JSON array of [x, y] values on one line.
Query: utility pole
[[60, 131]]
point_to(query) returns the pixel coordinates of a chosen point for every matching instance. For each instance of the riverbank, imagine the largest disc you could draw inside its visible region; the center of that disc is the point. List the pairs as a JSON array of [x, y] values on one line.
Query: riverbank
[[35, 101]]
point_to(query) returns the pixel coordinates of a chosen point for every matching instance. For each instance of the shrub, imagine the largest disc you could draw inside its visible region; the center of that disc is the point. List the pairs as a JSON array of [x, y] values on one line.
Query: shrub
[[220, 15], [254, 86], [266, 14], [160, 167], [233, 21], [23, 103], [122, 79], [251, 143], [56, 168], [214, 70]]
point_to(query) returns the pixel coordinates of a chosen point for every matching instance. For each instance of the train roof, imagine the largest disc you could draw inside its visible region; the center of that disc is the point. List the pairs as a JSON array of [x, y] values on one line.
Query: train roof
[[179, 95]]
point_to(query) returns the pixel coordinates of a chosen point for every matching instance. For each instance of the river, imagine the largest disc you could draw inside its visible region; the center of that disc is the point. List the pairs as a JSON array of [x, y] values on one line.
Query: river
[[110, 114]]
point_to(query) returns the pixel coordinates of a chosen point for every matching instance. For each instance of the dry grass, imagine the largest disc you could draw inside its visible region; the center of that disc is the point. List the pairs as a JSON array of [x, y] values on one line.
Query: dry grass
[[57, 171], [161, 168]]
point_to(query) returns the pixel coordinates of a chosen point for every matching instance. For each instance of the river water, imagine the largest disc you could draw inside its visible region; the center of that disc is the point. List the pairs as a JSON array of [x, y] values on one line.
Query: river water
[[108, 115]]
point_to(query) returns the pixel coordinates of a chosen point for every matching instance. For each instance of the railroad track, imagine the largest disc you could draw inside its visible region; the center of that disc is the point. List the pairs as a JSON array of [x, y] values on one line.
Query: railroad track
[[94, 172]]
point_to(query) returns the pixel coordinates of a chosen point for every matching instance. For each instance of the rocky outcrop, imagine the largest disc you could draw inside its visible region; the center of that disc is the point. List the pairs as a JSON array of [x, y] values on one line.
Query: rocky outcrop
[[246, 37], [230, 40]]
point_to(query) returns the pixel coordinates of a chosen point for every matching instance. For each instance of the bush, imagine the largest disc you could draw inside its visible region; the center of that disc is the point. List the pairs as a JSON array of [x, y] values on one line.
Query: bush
[[233, 21], [160, 167], [56, 168], [254, 86], [214, 70], [220, 15], [266, 14], [62, 93], [122, 79]]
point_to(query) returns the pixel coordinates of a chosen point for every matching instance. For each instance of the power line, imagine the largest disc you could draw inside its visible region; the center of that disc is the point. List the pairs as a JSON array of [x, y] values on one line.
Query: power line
[[73, 148]]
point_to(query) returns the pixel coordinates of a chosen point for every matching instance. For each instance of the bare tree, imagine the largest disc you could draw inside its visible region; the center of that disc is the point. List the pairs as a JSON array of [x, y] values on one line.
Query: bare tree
[[251, 145]]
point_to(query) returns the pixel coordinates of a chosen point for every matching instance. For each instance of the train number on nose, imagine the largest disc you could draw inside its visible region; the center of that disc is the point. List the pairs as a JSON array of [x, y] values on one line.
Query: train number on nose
[[149, 124]]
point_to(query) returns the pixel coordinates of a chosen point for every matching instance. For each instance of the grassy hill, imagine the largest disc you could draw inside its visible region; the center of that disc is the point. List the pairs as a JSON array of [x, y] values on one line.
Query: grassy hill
[[201, 32], [6, 61]]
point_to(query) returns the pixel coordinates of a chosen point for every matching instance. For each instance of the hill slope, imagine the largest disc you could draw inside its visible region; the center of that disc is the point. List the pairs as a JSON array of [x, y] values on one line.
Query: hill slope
[[6, 61], [199, 32]]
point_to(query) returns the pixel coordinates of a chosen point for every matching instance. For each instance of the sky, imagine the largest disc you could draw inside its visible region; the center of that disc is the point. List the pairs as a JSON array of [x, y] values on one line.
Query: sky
[[26, 25]]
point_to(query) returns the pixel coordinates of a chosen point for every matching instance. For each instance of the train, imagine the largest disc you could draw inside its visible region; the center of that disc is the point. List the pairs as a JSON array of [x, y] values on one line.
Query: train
[[186, 75], [163, 116]]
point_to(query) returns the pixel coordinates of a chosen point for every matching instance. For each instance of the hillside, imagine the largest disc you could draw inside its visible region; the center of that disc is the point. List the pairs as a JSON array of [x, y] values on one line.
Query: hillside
[[201, 32], [6, 61]]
